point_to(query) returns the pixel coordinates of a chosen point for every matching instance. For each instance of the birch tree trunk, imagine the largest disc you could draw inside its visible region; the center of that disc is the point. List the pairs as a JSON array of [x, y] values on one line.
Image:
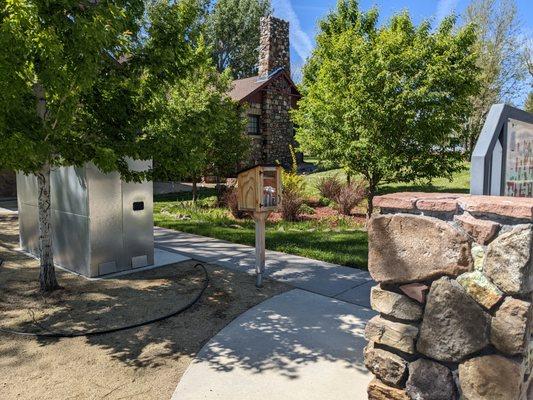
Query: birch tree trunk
[[47, 275]]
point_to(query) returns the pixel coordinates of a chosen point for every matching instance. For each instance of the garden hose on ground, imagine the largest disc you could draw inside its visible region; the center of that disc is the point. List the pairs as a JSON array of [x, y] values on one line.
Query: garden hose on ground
[[52, 334]]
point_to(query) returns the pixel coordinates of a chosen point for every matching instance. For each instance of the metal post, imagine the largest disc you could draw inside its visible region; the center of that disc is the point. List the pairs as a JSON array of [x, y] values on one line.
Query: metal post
[[260, 218]]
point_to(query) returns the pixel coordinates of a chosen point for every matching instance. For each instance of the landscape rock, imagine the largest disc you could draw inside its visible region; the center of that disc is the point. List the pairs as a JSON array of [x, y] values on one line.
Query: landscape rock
[[416, 291], [512, 207], [454, 325], [508, 261], [478, 255], [393, 334], [482, 231], [388, 367], [429, 380], [394, 304], [407, 248], [511, 325], [480, 289], [491, 377], [379, 391]]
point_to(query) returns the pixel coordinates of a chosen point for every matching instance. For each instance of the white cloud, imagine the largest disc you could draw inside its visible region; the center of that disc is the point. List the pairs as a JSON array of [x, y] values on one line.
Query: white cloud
[[445, 8], [300, 41]]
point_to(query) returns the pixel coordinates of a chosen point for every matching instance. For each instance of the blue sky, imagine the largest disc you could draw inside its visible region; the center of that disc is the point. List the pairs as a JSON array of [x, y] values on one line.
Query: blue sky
[[304, 14]]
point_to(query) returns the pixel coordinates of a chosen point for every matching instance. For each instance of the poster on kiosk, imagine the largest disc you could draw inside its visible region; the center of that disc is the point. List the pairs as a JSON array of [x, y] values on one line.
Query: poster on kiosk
[[502, 161]]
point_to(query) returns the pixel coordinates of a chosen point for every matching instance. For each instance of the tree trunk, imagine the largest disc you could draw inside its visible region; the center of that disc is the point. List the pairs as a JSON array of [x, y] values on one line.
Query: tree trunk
[[219, 189], [194, 190], [370, 198], [47, 275]]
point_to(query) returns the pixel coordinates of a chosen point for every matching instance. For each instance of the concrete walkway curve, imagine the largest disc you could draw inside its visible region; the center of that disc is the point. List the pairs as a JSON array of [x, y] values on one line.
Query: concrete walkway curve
[[297, 345]]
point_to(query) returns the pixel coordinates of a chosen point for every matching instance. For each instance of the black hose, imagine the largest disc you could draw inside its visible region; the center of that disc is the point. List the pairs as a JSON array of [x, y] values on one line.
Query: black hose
[[52, 334]]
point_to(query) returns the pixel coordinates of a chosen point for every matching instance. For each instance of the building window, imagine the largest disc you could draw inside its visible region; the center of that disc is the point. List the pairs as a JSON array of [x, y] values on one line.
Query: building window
[[253, 125]]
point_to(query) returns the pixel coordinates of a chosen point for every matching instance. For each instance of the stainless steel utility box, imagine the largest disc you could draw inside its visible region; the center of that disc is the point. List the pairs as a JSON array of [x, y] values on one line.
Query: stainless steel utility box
[[101, 225]]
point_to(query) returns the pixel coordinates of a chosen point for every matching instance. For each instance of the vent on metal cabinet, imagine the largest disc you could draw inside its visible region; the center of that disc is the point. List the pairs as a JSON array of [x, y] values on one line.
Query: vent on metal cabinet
[[107, 268], [139, 262], [138, 206]]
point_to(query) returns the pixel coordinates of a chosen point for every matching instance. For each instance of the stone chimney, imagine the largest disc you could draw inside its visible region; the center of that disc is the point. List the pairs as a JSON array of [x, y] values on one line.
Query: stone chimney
[[274, 49]]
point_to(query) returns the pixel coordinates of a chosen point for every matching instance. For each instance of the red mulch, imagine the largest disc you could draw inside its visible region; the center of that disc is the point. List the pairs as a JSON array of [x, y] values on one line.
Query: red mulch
[[320, 213]]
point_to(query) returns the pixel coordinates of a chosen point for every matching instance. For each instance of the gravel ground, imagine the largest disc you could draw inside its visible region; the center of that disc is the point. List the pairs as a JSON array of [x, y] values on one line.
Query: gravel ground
[[141, 363]]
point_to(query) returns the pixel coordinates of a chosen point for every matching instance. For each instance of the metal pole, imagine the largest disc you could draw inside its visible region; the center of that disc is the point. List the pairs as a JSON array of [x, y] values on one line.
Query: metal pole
[[260, 218]]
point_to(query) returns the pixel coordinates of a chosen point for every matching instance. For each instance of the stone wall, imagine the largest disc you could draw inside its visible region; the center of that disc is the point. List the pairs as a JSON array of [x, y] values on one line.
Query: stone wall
[[276, 125], [274, 47], [454, 296]]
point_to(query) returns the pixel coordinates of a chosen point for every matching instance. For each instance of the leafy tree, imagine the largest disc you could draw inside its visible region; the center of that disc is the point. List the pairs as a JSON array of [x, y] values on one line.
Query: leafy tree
[[233, 32], [384, 102], [205, 124], [193, 127], [78, 81], [500, 60], [53, 54], [528, 106]]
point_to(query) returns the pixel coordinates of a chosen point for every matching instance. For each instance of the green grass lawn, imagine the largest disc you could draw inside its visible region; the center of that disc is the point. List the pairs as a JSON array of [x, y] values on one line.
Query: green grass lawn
[[459, 184], [337, 240]]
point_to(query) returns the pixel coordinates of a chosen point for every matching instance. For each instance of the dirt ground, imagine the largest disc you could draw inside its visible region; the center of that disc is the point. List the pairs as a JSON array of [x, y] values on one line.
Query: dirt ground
[[141, 363]]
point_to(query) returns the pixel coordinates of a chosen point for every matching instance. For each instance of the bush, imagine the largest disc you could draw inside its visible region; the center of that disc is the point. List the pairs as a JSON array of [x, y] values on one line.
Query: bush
[[230, 200], [293, 191], [349, 196], [329, 187], [291, 205], [307, 209]]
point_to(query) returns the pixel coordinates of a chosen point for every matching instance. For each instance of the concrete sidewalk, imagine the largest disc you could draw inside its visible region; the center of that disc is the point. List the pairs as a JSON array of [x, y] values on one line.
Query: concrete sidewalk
[[298, 345], [343, 283]]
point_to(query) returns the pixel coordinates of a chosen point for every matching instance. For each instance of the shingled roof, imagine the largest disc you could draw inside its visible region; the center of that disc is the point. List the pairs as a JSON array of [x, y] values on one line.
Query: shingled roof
[[242, 88]]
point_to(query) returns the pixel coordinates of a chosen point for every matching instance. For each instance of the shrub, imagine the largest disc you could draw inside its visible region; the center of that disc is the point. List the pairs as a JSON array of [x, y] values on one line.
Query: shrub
[[230, 200], [307, 209], [349, 196], [329, 187], [291, 205], [293, 191]]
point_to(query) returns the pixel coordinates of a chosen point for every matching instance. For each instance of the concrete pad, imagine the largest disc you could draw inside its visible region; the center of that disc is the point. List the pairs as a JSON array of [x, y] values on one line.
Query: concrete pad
[[198, 247], [297, 345], [8, 207], [303, 273], [359, 295]]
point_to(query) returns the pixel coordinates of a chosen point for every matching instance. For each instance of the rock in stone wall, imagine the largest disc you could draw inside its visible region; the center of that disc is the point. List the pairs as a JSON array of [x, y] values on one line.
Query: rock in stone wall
[[455, 289], [406, 248]]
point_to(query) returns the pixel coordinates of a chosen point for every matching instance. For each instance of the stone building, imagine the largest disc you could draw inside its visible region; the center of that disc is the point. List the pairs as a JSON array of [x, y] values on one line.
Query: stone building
[[270, 96]]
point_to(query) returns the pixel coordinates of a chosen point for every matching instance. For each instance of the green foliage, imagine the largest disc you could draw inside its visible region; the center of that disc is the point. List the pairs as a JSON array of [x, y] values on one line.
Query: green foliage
[[193, 127], [528, 106], [338, 239], [384, 102], [292, 181], [54, 54], [233, 32], [500, 58]]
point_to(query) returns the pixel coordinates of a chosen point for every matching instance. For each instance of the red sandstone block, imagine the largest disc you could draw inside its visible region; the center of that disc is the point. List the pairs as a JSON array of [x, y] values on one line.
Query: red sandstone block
[[400, 201], [514, 207], [482, 231], [438, 202], [416, 291]]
